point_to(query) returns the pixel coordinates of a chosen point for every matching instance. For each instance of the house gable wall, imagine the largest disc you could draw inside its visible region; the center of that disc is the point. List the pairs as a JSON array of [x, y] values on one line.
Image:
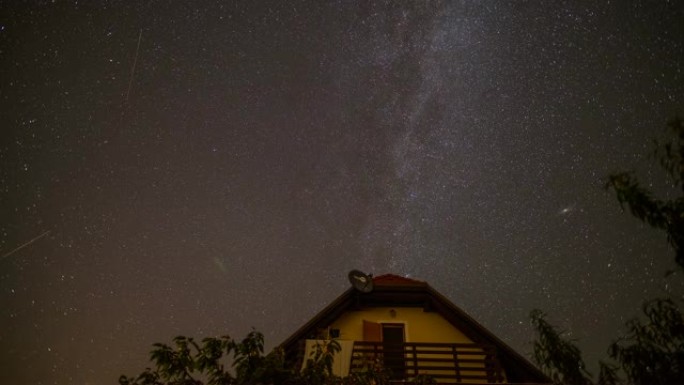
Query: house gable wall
[[419, 326], [428, 316]]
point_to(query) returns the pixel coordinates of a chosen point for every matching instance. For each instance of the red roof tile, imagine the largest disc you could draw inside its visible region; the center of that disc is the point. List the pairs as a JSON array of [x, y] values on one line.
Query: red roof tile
[[391, 279]]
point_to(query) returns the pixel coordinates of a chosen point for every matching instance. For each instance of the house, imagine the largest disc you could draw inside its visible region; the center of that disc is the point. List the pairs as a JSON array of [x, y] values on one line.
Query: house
[[409, 329]]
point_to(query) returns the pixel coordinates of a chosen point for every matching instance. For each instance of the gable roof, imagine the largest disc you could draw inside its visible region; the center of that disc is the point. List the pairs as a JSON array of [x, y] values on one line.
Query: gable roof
[[393, 290], [391, 279]]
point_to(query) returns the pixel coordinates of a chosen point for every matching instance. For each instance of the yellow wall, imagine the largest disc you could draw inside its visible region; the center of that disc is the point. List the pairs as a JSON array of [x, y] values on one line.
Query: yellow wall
[[419, 326]]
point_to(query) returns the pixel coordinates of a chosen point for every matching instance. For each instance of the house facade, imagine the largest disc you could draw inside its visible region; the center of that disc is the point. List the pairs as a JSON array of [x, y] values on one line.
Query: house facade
[[409, 329]]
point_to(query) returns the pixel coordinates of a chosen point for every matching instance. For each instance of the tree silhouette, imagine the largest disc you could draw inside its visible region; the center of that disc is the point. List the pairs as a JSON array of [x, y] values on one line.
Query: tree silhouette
[[652, 351], [558, 357], [190, 363], [667, 215]]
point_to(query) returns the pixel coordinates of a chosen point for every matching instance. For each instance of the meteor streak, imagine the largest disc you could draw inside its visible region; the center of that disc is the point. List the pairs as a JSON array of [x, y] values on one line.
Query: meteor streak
[[135, 61], [25, 244]]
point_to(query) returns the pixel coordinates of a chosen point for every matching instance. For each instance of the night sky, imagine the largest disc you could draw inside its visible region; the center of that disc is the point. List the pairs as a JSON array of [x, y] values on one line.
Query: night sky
[[203, 167]]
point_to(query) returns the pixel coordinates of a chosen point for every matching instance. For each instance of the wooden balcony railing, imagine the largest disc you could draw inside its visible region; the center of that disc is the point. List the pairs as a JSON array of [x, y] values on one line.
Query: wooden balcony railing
[[445, 362]]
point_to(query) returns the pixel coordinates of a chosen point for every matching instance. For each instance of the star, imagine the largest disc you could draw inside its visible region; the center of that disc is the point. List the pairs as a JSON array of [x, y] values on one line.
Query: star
[[460, 144]]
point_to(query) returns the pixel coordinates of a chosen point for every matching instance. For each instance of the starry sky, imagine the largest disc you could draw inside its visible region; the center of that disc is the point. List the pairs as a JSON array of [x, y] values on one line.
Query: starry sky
[[205, 167]]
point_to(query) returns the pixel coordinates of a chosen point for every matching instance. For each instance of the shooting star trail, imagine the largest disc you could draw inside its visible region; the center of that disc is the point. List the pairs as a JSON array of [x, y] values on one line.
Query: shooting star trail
[[135, 61], [25, 244]]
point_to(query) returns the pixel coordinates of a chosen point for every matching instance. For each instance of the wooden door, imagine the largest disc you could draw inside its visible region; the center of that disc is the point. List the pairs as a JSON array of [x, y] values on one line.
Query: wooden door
[[393, 349]]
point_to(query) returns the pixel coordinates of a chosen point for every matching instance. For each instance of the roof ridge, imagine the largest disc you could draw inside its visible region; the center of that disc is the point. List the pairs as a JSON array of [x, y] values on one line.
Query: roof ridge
[[393, 279]]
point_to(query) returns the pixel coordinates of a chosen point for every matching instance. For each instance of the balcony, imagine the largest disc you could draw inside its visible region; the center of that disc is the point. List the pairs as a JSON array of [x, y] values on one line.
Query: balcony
[[446, 363]]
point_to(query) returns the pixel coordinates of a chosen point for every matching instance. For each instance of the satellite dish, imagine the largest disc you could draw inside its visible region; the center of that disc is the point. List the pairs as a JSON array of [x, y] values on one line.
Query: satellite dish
[[360, 281]]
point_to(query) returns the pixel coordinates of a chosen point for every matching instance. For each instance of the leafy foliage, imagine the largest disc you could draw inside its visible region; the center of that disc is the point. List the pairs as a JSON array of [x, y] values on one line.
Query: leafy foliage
[[178, 366], [190, 363], [652, 352], [560, 358], [607, 374], [667, 215], [373, 372], [319, 367]]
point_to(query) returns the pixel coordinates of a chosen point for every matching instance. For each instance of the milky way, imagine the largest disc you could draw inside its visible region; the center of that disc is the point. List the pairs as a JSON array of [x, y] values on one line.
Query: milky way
[[203, 167]]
